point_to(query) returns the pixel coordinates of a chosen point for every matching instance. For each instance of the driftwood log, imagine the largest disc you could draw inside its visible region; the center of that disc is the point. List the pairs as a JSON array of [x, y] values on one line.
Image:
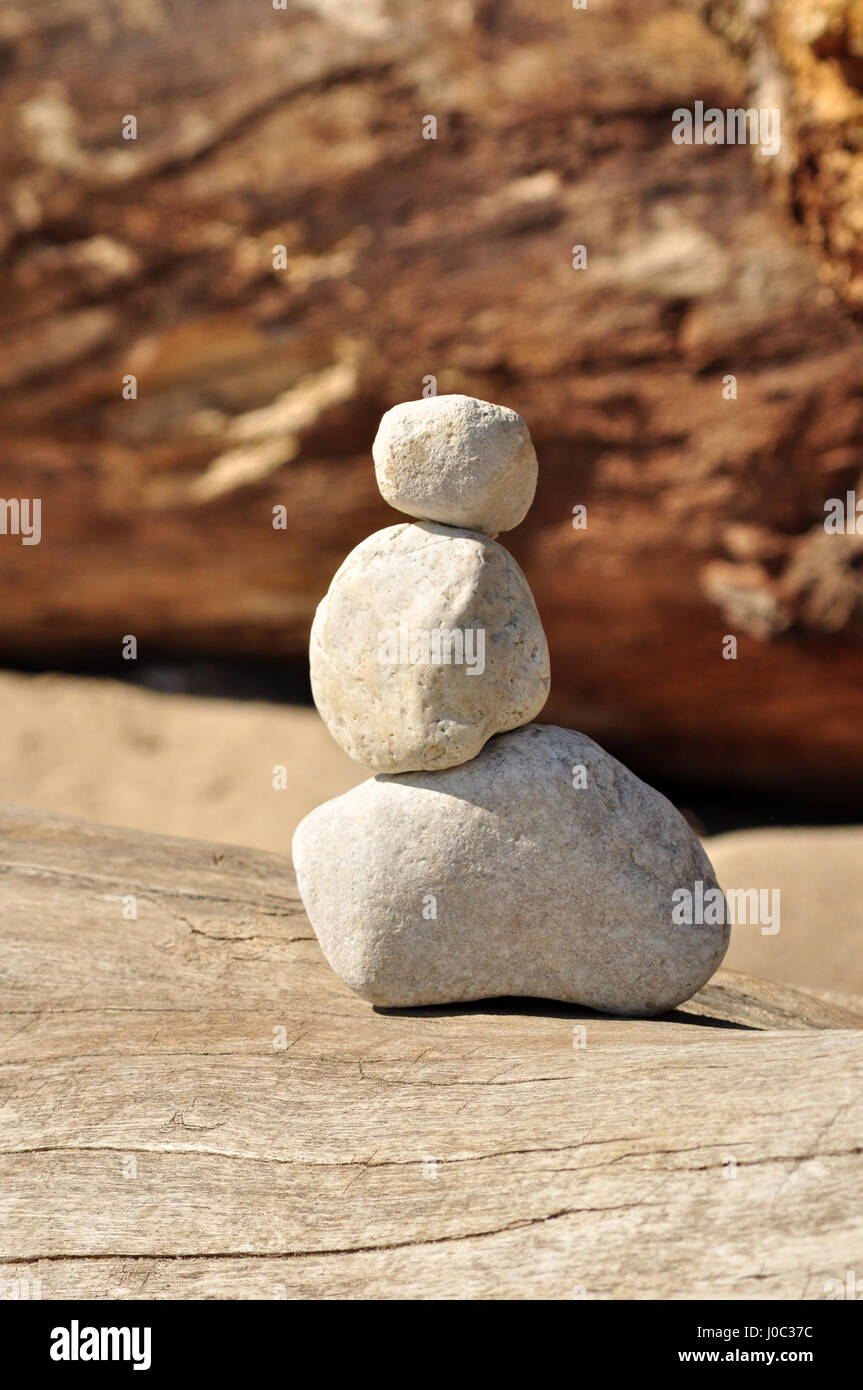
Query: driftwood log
[[192, 1106], [260, 381]]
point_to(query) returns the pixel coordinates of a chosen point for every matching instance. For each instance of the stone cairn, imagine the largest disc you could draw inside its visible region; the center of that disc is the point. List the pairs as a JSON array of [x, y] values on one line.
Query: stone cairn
[[488, 855]]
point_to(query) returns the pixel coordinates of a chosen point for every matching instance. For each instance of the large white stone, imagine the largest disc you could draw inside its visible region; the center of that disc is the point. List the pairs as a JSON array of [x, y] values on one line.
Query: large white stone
[[456, 460], [419, 590], [501, 877]]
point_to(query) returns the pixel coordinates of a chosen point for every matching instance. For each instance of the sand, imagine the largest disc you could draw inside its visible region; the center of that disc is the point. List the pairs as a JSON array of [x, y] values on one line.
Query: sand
[[205, 768], [178, 764]]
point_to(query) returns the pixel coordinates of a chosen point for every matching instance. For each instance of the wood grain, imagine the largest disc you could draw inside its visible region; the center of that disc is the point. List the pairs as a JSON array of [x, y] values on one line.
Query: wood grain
[[463, 1152], [262, 387]]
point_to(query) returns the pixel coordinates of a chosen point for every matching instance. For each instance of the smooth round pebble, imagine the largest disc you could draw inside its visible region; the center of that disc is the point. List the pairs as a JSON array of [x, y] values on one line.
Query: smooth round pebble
[[456, 460], [406, 599], [514, 874]]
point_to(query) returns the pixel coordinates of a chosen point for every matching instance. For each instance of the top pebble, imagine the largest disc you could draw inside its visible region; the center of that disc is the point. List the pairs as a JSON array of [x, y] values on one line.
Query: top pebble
[[457, 461]]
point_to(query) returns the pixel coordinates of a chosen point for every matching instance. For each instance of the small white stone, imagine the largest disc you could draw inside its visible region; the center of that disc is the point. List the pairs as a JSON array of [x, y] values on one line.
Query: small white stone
[[502, 877], [456, 460], [402, 602]]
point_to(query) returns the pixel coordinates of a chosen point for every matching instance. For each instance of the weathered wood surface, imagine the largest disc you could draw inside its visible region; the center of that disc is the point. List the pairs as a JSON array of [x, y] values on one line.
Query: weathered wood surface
[[455, 1152], [262, 387], [807, 57]]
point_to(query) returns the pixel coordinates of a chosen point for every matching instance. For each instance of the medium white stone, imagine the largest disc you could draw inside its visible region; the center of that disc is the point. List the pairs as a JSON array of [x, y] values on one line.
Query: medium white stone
[[403, 600], [456, 460], [500, 877]]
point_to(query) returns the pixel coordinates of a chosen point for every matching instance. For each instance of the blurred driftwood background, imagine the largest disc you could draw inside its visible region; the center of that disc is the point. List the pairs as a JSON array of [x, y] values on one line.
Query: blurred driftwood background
[[405, 257]]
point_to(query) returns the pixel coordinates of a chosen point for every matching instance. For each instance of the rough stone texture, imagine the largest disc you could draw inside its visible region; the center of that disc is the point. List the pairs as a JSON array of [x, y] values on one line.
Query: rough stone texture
[[405, 256], [456, 460], [540, 889], [419, 578]]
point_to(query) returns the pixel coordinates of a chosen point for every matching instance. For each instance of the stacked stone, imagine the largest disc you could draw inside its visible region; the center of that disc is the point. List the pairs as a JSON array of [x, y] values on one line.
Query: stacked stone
[[489, 855], [429, 641]]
